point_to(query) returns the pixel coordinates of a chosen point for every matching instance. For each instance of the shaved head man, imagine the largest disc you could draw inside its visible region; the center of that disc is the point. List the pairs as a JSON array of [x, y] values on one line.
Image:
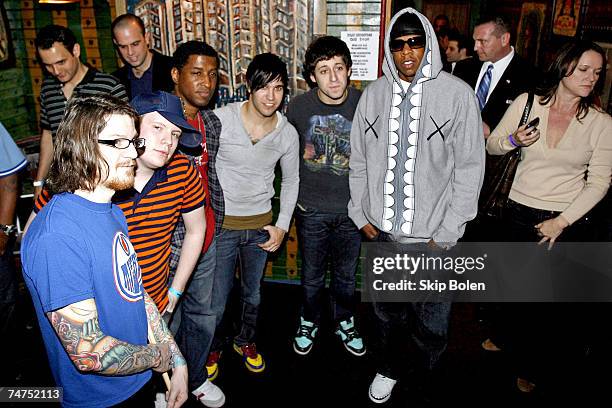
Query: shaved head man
[[145, 70]]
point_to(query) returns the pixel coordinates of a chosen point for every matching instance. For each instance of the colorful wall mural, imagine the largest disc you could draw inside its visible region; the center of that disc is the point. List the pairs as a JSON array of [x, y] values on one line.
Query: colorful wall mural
[[237, 29]]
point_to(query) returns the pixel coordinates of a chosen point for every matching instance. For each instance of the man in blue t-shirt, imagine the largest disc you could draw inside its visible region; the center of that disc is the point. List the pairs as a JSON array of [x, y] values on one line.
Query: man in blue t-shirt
[[326, 235], [82, 271]]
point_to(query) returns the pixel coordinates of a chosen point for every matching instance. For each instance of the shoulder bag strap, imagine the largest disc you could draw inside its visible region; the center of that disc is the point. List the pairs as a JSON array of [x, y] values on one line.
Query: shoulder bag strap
[[527, 109], [525, 118]]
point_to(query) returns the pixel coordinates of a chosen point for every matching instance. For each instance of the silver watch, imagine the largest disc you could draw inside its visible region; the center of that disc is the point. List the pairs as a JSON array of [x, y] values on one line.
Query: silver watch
[[8, 229]]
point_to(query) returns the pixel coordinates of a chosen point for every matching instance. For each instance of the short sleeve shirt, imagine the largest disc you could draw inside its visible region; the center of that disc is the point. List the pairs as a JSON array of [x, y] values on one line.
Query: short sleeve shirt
[[53, 101]]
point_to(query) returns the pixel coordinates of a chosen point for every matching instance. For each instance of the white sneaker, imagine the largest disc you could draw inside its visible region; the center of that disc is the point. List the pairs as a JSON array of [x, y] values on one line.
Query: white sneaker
[[209, 395], [381, 387], [160, 400]]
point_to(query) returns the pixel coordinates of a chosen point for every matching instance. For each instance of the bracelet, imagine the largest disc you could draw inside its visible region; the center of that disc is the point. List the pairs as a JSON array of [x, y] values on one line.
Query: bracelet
[[38, 183], [512, 142], [175, 292]]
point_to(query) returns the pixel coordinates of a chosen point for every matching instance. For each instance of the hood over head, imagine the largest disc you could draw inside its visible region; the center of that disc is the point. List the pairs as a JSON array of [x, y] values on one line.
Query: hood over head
[[431, 64]]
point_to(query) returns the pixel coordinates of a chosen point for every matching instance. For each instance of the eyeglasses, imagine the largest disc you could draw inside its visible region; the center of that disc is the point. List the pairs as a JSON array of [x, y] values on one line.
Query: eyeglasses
[[123, 143], [413, 42]]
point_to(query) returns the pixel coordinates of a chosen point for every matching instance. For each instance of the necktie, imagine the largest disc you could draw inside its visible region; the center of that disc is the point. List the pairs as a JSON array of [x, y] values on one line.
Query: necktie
[[483, 88]]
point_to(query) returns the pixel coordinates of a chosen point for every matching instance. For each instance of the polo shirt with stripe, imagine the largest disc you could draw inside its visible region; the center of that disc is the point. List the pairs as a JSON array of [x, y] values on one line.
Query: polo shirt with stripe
[[152, 215], [53, 101]]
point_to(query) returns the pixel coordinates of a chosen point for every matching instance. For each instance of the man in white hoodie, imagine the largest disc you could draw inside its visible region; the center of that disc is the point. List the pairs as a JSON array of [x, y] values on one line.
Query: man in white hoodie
[[416, 168]]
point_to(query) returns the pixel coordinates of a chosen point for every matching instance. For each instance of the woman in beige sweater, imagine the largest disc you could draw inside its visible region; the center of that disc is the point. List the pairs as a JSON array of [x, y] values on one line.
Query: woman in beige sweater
[[565, 168], [566, 162]]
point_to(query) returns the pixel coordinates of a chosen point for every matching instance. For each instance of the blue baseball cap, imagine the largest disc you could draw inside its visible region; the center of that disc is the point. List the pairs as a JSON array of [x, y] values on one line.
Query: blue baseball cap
[[169, 106]]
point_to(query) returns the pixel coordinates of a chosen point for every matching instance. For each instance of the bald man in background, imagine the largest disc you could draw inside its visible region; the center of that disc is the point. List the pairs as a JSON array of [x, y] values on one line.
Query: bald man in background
[[145, 70]]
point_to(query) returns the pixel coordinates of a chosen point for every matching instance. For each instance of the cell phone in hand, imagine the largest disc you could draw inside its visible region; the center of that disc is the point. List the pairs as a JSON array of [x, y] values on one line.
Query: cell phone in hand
[[535, 122], [533, 125]]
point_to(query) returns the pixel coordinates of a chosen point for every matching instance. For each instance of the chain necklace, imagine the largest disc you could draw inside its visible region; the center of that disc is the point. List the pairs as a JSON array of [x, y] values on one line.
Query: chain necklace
[[199, 160], [198, 117], [185, 109]]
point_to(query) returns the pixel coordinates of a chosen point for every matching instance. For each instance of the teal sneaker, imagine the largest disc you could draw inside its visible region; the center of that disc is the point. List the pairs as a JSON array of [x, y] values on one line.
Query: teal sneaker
[[304, 338], [350, 337]]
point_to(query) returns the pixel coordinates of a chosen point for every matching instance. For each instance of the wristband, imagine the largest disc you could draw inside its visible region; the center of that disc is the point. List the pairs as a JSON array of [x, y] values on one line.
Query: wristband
[[175, 292], [512, 142], [38, 183]]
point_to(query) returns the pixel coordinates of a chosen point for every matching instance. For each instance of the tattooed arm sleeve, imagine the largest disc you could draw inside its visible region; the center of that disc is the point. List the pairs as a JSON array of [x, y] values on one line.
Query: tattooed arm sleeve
[[93, 351], [160, 331]]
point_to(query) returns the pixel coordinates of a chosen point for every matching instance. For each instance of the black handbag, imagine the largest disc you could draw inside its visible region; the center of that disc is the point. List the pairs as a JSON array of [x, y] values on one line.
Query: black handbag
[[499, 175]]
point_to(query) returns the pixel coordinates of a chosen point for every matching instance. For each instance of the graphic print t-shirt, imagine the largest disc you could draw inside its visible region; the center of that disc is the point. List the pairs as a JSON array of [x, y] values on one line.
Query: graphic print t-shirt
[[325, 149]]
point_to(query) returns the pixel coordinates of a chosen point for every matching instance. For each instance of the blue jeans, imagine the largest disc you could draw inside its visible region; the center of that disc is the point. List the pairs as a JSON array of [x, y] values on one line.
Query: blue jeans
[[241, 246], [327, 237], [193, 320]]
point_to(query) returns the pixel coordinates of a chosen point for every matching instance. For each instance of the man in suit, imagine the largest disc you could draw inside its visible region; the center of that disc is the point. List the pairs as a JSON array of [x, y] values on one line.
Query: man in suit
[[501, 77], [509, 76], [459, 55], [145, 70]]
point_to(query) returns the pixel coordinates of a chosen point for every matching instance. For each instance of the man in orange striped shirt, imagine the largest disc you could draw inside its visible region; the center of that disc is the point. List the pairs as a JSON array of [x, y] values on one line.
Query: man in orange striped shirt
[[166, 187]]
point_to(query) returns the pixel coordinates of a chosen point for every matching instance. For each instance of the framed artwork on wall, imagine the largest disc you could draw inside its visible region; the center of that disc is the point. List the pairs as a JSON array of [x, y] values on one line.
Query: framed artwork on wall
[[234, 31], [120, 7], [7, 54], [529, 31], [566, 17]]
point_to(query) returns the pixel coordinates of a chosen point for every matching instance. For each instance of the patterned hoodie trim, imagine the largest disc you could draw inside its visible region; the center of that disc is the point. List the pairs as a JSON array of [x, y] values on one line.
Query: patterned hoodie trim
[[411, 152]]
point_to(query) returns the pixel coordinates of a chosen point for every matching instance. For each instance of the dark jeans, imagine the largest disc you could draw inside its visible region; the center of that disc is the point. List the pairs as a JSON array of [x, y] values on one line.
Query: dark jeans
[[239, 247], [193, 320], [542, 337], [521, 220], [484, 228], [327, 238], [426, 323]]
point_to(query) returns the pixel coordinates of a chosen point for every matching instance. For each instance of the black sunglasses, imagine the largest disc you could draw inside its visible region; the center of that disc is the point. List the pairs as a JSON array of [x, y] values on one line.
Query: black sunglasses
[[413, 42], [123, 143]]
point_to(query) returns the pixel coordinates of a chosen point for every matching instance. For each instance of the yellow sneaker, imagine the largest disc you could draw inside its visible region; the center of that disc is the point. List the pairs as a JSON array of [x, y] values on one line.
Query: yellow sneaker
[[212, 365], [253, 361]]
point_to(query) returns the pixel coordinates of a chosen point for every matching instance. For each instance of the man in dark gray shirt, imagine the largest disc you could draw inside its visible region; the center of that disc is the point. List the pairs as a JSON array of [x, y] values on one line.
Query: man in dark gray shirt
[[323, 118]]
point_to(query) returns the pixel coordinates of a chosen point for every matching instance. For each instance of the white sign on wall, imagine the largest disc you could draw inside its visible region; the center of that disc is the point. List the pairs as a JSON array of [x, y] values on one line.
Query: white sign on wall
[[364, 53]]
